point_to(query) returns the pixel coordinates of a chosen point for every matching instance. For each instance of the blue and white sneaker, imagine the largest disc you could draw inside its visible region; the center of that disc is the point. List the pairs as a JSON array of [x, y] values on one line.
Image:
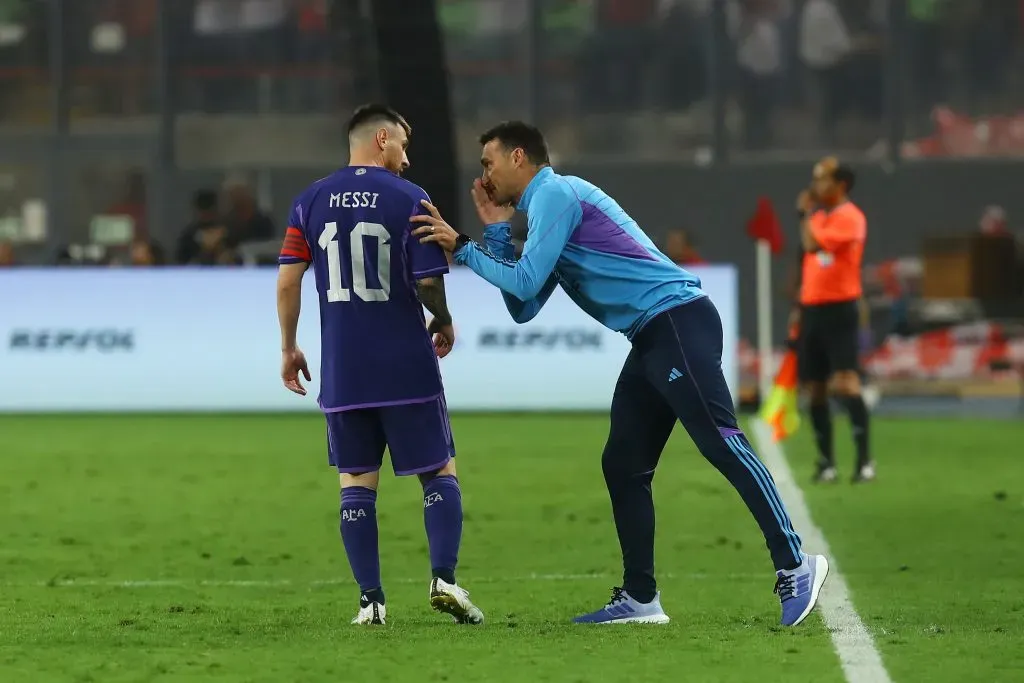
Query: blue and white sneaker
[[623, 609], [798, 588]]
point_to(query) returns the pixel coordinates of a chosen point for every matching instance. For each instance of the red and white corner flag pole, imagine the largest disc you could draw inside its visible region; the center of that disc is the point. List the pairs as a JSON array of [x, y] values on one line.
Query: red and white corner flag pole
[[766, 374], [766, 230]]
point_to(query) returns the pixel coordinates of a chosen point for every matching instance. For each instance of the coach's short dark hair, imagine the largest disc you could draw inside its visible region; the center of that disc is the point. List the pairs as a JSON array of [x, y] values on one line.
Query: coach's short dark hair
[[516, 134], [845, 175], [377, 113]]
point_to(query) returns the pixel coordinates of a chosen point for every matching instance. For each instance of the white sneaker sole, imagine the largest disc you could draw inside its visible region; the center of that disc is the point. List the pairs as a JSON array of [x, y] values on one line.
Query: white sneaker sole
[[652, 619], [820, 574]]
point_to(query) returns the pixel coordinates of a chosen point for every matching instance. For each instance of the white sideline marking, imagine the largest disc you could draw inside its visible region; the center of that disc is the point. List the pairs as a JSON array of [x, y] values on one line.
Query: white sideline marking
[[860, 659]]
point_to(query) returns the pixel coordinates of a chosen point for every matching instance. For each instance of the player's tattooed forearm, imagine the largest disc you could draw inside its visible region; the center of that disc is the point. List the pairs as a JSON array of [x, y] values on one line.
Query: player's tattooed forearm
[[432, 296]]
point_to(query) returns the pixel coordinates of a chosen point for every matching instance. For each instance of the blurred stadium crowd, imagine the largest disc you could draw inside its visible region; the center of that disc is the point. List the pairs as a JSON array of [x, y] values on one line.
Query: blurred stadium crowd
[[801, 76], [223, 223], [227, 228], [799, 73]]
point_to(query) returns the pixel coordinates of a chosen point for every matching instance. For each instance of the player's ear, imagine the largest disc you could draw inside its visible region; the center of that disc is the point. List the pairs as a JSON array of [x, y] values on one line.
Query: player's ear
[[382, 137]]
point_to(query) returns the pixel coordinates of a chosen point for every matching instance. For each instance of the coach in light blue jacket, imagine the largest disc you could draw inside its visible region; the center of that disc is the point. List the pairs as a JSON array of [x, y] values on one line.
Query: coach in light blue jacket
[[581, 239]]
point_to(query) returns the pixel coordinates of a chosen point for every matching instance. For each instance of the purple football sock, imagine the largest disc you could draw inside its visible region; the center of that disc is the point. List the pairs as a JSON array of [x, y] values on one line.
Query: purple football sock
[[442, 516], [359, 534]]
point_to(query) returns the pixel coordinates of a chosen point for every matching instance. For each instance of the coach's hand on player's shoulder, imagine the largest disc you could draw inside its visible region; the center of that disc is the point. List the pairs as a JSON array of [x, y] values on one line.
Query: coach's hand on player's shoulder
[[434, 228], [443, 336], [293, 361], [489, 212]]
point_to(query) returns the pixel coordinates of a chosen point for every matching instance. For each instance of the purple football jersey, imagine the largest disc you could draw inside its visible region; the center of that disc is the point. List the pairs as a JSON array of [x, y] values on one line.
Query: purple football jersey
[[353, 226]]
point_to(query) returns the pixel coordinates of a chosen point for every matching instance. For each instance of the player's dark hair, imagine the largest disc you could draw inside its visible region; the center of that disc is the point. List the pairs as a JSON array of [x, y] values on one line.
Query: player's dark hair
[[377, 113], [516, 134], [845, 175]]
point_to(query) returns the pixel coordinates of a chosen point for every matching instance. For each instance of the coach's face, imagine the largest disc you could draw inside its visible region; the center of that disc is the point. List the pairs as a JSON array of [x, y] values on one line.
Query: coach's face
[[502, 171], [393, 142]]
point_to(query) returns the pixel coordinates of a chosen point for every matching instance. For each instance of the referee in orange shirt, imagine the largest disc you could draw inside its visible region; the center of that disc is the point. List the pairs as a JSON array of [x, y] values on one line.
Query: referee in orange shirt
[[832, 231]]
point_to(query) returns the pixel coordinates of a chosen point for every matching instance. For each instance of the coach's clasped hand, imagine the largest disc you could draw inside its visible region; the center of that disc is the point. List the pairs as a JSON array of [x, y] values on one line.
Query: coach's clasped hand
[[805, 203], [487, 209]]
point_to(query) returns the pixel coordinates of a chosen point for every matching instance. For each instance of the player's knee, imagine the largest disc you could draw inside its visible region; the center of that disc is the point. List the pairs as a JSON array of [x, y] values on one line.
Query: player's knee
[[447, 471], [368, 480], [846, 383]]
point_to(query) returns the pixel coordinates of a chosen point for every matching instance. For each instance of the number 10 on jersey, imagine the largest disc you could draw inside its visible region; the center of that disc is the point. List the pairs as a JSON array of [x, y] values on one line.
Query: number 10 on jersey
[[336, 290]]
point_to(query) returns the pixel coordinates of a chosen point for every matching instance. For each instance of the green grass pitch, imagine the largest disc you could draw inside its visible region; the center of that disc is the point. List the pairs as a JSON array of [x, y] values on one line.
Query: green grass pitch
[[206, 549]]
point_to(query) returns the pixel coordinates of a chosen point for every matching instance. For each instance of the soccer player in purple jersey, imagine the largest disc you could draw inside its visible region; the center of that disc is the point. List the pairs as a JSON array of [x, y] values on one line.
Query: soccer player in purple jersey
[[380, 385]]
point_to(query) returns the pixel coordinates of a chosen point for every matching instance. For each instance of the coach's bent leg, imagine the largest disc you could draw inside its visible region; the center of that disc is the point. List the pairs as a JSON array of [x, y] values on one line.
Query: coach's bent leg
[[442, 517], [688, 340], [641, 422]]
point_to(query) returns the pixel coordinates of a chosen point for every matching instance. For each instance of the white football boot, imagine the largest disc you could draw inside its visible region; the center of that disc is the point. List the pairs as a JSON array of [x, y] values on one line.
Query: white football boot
[[370, 613], [454, 600]]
